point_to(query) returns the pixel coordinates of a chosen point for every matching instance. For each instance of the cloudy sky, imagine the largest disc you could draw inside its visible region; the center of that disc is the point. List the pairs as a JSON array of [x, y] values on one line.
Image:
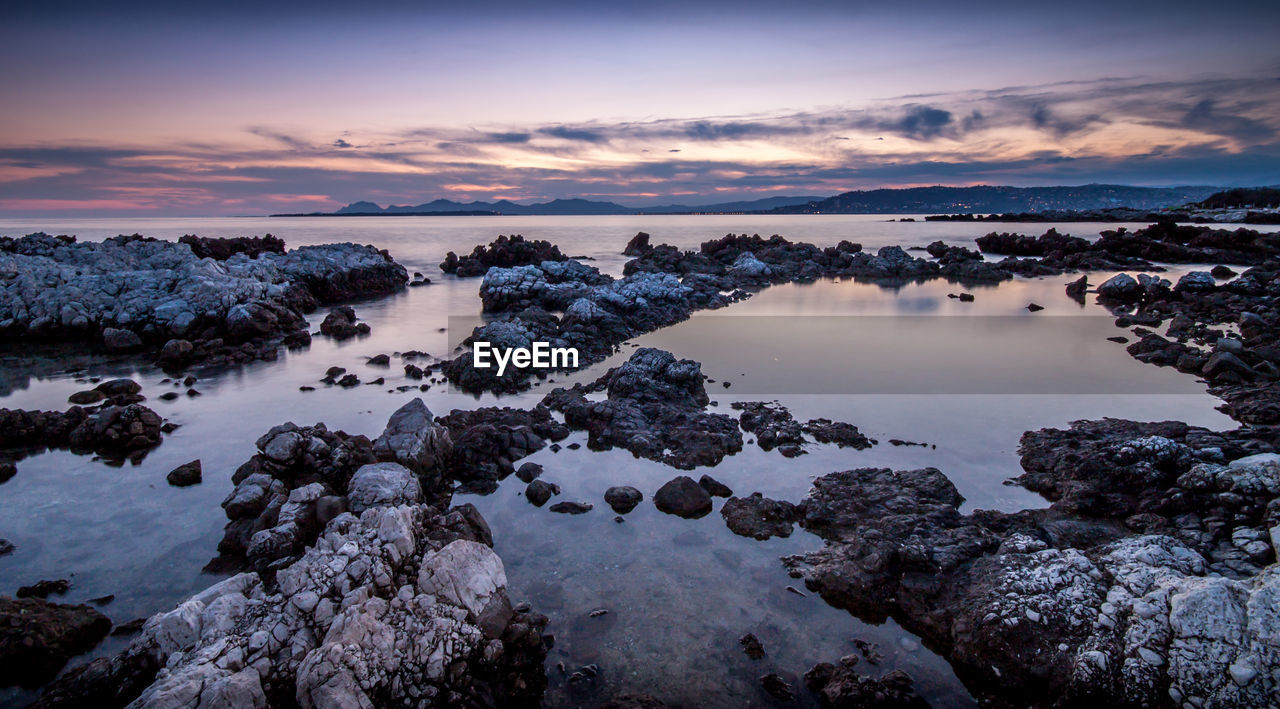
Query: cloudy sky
[[137, 108]]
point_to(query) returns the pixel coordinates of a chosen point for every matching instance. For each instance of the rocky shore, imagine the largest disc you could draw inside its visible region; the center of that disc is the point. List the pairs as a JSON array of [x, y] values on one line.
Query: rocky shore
[[1150, 580], [197, 300], [367, 589]]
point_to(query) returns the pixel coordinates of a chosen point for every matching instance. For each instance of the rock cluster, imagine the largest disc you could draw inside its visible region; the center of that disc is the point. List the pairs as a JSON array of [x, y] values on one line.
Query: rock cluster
[[365, 591], [230, 300], [1150, 577], [115, 432], [775, 427], [504, 252], [655, 407]]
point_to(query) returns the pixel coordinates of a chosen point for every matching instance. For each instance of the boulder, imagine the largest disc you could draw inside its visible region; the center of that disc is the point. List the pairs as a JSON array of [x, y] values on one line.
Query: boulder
[[683, 497], [185, 474], [382, 485], [623, 498], [118, 340]]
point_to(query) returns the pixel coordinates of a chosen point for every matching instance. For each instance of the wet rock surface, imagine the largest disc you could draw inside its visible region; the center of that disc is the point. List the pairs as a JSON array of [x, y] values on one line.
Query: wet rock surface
[[759, 517], [683, 497], [233, 300], [38, 637]]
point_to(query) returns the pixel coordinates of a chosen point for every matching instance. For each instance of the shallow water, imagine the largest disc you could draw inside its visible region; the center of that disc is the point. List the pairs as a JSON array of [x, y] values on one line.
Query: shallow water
[[907, 363]]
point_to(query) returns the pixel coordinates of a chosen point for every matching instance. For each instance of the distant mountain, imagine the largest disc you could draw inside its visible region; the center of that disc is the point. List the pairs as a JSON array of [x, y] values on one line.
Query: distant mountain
[[986, 199], [446, 207]]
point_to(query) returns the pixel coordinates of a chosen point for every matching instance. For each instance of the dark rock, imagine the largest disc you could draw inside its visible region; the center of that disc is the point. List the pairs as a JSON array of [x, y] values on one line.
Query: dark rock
[[504, 252], [571, 508], [1076, 289], [623, 498], [539, 491], [1222, 272], [527, 472], [751, 645], [44, 589], [91, 396], [759, 517], [1035, 308], [683, 497], [777, 687], [638, 246], [119, 387], [117, 340], [222, 249], [175, 353], [714, 487], [381, 360], [37, 638], [185, 474]]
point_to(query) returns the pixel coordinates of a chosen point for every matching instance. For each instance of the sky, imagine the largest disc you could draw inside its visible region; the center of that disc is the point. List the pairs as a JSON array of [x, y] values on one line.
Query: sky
[[228, 108]]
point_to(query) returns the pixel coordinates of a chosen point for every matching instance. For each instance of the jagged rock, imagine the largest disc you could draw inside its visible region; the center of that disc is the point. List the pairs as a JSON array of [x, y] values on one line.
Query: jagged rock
[[572, 508], [528, 471], [382, 485], [386, 608], [655, 409], [413, 439], [505, 251], [759, 517], [714, 487], [160, 290]]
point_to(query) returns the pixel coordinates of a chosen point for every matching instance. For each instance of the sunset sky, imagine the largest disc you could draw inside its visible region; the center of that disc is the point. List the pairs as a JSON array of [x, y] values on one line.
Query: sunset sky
[[141, 109]]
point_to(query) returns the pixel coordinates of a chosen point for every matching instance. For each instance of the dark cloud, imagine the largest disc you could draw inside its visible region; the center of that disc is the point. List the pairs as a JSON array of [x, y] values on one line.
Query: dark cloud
[[340, 143], [1205, 116], [582, 135], [507, 138], [923, 123]]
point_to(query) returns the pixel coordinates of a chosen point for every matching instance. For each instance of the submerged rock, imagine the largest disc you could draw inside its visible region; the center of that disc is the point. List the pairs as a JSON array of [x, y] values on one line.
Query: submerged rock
[[759, 517], [38, 637]]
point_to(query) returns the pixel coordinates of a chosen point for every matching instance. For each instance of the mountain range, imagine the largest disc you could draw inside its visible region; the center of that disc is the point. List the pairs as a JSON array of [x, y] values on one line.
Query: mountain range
[[982, 199]]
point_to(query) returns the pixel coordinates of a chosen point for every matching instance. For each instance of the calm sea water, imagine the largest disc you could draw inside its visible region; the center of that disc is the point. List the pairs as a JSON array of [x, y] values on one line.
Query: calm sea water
[[968, 379]]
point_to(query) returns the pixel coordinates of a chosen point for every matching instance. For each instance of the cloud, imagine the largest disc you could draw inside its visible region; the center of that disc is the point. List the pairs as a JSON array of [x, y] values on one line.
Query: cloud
[[574, 134], [1116, 130]]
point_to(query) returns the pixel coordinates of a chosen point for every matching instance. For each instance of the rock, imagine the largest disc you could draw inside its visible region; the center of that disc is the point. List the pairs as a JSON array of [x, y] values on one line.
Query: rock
[[638, 245], [777, 687], [504, 252], [37, 638], [841, 686], [1035, 308], [623, 498], [1222, 272], [1223, 362], [1120, 288], [752, 646], [381, 360], [386, 609], [44, 589], [119, 387], [1196, 282], [341, 324], [633, 701], [683, 497], [175, 353], [413, 439], [117, 340], [572, 508], [714, 487], [1076, 289], [527, 472], [539, 491], [224, 249], [185, 474], [6, 547], [382, 485], [655, 408], [91, 396], [759, 517]]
